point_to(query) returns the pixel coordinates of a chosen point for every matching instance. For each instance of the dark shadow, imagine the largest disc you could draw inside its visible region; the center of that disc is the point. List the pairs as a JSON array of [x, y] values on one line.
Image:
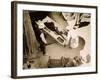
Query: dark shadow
[[81, 43], [83, 24]]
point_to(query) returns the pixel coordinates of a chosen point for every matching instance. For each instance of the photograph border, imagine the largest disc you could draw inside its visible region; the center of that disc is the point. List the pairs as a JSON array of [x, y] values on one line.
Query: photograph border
[[14, 38]]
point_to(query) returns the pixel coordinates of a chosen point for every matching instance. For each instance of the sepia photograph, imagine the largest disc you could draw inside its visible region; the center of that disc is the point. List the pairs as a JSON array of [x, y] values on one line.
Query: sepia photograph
[[53, 39], [56, 39]]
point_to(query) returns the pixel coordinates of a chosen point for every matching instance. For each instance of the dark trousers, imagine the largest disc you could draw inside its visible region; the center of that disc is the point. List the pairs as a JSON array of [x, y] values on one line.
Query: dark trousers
[[42, 47]]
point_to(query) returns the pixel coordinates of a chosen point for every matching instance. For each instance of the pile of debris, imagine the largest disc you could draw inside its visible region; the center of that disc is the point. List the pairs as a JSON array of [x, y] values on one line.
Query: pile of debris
[[66, 62]]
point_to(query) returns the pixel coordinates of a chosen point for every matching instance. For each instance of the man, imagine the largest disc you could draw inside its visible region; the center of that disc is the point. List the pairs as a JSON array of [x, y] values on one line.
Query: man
[[40, 35], [37, 17]]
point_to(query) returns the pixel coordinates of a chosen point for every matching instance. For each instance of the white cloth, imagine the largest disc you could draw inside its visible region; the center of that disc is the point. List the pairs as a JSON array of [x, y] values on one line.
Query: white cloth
[[72, 34], [74, 41], [43, 38], [71, 24]]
